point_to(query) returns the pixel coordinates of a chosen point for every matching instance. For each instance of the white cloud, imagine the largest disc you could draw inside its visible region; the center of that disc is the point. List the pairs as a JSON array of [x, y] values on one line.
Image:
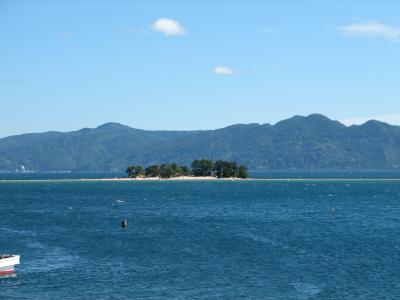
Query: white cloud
[[168, 26], [224, 70], [391, 119], [373, 29]]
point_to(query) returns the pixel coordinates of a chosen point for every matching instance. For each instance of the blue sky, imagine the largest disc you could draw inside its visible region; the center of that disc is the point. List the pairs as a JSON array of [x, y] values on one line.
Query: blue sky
[[204, 64]]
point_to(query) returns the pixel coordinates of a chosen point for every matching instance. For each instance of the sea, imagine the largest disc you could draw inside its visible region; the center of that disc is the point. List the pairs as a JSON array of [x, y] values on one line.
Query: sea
[[288, 235]]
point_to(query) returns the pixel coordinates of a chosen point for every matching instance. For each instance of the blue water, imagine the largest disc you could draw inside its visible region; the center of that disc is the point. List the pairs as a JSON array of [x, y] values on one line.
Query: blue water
[[190, 240]]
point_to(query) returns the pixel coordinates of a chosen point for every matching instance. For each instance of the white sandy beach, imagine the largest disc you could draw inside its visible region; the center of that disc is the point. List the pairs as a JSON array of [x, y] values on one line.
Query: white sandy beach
[[200, 179], [180, 178]]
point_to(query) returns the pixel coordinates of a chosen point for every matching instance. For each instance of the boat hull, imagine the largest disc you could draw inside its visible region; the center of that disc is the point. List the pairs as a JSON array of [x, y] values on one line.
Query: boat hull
[[7, 265], [7, 272]]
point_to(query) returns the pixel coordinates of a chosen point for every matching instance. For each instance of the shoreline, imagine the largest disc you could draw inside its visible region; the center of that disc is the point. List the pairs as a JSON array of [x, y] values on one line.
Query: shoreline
[[180, 178], [199, 179], [125, 179]]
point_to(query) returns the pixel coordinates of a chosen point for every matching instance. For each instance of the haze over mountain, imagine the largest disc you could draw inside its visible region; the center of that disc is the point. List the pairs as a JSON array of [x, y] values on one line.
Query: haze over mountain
[[299, 143]]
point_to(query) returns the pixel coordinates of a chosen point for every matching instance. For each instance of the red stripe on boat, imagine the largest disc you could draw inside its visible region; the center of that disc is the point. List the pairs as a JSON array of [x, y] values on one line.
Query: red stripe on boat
[[6, 272]]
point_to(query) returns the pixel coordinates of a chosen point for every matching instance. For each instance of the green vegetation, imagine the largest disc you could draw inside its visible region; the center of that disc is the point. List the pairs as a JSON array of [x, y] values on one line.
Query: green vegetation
[[151, 171], [203, 167], [312, 143], [200, 168], [134, 171]]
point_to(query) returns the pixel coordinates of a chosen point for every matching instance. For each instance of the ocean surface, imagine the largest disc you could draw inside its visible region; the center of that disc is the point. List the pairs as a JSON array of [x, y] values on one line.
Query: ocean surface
[[311, 239]]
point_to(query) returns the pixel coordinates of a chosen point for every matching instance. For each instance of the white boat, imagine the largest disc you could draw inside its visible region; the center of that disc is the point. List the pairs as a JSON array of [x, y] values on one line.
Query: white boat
[[7, 263]]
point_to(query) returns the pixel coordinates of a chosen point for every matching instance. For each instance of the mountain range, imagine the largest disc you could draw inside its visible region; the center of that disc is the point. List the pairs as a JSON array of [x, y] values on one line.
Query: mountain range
[[300, 143]]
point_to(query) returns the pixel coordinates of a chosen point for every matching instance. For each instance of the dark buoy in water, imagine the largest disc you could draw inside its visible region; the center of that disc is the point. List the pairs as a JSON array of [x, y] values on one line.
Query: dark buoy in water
[[124, 223]]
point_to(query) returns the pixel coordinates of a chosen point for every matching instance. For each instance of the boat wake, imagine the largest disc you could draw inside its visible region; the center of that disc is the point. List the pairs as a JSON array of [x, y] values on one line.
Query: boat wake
[[306, 290], [11, 275], [53, 260]]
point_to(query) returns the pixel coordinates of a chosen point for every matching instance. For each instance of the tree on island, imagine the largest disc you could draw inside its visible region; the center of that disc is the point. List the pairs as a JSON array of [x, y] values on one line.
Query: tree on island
[[225, 169], [170, 170], [242, 172], [229, 169], [134, 171], [167, 171], [152, 171], [186, 171], [200, 168]]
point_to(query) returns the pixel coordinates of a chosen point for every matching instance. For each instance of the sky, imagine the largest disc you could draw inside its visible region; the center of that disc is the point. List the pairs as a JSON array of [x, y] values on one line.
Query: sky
[[184, 65]]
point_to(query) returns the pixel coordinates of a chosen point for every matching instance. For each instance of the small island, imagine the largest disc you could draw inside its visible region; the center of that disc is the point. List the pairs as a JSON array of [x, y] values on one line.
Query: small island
[[201, 168]]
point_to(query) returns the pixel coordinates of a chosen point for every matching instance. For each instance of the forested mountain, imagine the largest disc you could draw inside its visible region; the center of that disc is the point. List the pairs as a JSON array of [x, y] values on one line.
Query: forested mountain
[[299, 143]]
